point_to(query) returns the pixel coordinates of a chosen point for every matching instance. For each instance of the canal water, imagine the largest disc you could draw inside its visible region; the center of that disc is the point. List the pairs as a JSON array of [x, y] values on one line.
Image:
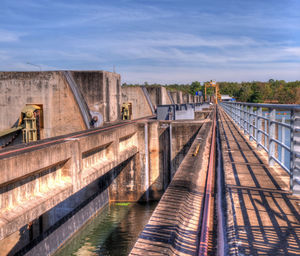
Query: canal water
[[112, 232]]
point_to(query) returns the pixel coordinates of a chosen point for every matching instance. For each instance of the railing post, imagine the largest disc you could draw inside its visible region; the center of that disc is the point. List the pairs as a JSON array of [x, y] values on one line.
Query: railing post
[[271, 153], [259, 127], [256, 124], [243, 118], [295, 151], [251, 123], [246, 119], [283, 141], [241, 115], [236, 113]]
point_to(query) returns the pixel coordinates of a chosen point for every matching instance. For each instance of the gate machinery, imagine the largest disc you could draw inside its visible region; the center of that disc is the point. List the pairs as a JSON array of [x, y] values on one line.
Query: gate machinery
[[126, 111], [217, 91], [30, 123]]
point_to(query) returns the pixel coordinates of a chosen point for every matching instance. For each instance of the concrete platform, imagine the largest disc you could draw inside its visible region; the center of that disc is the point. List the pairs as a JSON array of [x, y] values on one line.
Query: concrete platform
[[173, 227], [262, 214]]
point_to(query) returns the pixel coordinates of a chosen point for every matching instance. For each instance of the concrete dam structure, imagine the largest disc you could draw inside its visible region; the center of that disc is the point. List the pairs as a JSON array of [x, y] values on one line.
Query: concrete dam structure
[[52, 186], [73, 143]]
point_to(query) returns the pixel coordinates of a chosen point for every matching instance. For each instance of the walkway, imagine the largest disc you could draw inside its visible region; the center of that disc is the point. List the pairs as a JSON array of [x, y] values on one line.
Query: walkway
[[262, 215]]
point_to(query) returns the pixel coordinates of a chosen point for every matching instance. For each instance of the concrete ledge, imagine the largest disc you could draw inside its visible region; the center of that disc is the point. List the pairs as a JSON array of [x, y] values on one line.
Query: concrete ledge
[[15, 218], [173, 227]]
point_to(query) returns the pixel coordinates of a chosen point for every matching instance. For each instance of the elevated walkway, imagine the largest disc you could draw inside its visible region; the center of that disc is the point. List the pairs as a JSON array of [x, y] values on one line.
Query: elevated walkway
[[262, 214], [253, 209]]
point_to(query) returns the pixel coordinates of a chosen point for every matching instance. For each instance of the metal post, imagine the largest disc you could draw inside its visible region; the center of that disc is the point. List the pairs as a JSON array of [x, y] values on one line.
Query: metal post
[[271, 120], [283, 141], [256, 124], [244, 108], [247, 121], [240, 116], [251, 123], [259, 127], [235, 113], [295, 151]]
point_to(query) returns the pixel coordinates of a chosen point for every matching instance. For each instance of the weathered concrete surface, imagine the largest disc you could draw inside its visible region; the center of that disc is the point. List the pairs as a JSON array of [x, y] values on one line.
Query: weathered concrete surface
[[50, 181], [140, 106], [262, 214], [61, 113], [173, 227], [177, 97], [102, 92], [158, 96], [199, 115], [37, 180]]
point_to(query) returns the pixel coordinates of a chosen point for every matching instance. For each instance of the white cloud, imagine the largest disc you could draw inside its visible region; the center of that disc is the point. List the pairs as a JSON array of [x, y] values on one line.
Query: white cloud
[[168, 75], [8, 36], [295, 51]]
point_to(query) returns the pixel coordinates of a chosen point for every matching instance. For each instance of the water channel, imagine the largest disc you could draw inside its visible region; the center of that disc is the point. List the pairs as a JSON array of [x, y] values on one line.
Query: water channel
[[113, 231]]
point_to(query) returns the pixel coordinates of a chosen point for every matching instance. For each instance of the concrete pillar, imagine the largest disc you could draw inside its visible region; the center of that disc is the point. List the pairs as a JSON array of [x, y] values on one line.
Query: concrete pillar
[[295, 151], [179, 97], [107, 101], [147, 179], [73, 166]]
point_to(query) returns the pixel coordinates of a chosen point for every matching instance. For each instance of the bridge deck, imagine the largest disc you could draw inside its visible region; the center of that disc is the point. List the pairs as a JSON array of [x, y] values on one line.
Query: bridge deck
[[262, 214]]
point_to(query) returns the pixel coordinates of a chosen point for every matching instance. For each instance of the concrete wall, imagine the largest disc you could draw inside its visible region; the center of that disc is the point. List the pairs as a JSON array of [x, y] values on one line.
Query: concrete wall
[[59, 187], [140, 106], [158, 96], [61, 113], [102, 92], [34, 182], [177, 97]]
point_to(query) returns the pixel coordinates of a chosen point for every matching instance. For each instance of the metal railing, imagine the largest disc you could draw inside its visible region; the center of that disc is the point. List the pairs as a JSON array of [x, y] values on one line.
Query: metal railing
[[276, 129]]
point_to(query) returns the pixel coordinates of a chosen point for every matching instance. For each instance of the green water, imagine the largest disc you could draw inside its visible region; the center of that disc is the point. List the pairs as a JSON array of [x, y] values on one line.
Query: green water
[[112, 232]]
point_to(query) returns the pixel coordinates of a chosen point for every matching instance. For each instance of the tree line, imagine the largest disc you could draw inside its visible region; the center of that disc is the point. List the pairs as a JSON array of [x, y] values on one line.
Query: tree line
[[273, 91]]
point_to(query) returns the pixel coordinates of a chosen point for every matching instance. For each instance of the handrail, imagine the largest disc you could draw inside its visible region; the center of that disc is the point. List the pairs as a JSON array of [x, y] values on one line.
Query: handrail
[[269, 132], [264, 105]]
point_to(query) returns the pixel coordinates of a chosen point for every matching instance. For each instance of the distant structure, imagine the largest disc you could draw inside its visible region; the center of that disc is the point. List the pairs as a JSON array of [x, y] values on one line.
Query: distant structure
[[225, 97]]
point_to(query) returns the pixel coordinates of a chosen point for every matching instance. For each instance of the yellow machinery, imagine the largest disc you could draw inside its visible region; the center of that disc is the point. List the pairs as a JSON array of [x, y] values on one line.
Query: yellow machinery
[[30, 123], [31, 119], [126, 111], [217, 91]]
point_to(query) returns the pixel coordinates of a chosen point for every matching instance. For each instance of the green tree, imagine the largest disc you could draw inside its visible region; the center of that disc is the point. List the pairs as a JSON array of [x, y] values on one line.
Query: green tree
[[195, 87]]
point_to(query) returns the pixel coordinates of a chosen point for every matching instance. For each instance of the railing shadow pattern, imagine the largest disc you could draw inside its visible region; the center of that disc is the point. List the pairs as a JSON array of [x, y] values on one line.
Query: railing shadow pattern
[[265, 221]]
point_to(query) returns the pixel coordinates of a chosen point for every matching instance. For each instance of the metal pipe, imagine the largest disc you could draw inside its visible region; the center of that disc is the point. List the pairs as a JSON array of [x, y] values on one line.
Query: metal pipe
[[203, 246], [222, 248], [62, 138]]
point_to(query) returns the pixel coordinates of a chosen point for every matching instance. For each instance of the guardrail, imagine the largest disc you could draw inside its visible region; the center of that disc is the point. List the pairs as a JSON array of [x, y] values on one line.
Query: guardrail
[[276, 129]]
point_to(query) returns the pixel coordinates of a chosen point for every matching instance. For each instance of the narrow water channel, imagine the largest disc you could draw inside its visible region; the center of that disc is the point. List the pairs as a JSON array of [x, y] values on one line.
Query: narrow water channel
[[112, 232]]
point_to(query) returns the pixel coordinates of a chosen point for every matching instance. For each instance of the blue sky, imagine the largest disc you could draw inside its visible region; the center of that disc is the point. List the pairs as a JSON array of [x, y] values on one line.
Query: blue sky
[[162, 41]]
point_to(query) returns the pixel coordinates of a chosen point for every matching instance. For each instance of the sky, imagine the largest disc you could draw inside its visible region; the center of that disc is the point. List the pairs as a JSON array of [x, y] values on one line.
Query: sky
[[154, 41]]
